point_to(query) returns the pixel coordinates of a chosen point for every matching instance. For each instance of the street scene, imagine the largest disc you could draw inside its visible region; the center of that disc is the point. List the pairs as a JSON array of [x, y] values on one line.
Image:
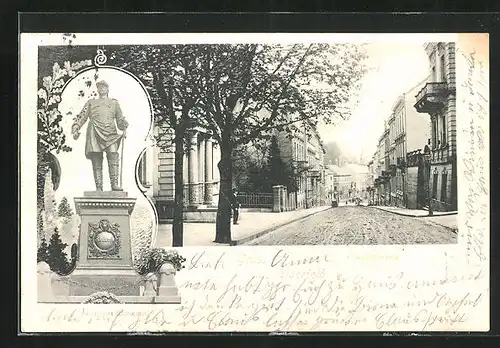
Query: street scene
[[248, 144], [253, 181], [358, 226]]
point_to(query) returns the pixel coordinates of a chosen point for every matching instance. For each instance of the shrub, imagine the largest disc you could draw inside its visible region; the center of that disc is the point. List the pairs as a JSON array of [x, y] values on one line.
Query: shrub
[[64, 209], [54, 254], [151, 260], [42, 254]]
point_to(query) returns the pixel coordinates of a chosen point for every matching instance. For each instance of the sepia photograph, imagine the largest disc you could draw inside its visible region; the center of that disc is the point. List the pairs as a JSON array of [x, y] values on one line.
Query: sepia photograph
[[158, 162]]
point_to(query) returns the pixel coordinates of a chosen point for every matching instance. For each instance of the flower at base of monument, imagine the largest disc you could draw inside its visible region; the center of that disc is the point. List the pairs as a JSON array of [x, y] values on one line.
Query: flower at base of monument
[[102, 297], [151, 260]]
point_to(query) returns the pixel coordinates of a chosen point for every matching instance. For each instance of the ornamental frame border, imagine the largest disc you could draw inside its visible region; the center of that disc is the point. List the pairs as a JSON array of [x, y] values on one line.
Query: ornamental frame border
[[55, 91]]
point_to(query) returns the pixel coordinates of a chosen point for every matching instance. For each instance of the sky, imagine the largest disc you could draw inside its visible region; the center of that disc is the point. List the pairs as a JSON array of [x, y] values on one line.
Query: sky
[[397, 68]]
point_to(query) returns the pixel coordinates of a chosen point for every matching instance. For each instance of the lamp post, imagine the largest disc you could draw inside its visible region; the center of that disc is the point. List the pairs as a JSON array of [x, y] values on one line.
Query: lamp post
[[427, 156]]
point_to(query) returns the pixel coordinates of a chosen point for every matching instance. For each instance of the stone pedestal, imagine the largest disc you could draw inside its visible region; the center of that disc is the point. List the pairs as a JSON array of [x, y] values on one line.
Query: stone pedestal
[[168, 291], [105, 263], [194, 194], [277, 198], [104, 249], [209, 193]]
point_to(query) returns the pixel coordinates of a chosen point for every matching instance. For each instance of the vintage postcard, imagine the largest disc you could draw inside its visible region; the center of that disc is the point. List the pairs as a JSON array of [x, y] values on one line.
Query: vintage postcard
[[254, 182]]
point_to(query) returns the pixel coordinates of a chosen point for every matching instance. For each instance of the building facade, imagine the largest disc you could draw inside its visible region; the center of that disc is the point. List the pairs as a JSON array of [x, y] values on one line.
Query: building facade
[[398, 179], [437, 100], [410, 134], [385, 176], [156, 175], [339, 182], [303, 149]]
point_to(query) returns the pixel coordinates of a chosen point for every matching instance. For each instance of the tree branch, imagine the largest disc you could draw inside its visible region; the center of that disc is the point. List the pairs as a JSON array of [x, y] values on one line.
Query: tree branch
[[274, 112]]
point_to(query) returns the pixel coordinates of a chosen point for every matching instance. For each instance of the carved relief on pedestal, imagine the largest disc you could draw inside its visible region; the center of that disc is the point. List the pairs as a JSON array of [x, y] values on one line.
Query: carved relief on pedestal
[[104, 240]]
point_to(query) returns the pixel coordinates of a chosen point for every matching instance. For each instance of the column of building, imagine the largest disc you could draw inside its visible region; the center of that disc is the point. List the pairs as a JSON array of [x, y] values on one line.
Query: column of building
[[193, 169], [209, 184], [198, 171]]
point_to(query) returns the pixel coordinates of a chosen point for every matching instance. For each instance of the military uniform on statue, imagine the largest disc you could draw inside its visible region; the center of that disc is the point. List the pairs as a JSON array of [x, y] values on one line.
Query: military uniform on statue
[[104, 247], [104, 259], [102, 135]]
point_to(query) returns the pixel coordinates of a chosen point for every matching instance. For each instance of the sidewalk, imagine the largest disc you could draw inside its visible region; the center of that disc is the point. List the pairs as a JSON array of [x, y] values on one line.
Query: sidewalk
[[251, 225], [446, 219]]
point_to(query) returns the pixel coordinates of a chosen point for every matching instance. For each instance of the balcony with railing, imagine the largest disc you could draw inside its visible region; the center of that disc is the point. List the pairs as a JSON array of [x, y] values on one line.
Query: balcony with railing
[[392, 170], [401, 164], [431, 97], [439, 155], [414, 158]]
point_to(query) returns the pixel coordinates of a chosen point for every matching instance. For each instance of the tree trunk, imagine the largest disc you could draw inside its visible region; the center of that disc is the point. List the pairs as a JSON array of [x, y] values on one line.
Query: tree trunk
[[177, 223], [223, 220]]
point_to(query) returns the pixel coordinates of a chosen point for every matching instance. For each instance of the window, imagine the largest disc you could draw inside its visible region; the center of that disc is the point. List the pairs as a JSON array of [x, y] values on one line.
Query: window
[[434, 185], [444, 183], [443, 73], [433, 74], [443, 129], [434, 133]]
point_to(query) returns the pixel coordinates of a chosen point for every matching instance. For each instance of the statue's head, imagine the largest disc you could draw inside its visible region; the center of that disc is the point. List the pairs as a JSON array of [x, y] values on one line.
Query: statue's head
[[102, 88]]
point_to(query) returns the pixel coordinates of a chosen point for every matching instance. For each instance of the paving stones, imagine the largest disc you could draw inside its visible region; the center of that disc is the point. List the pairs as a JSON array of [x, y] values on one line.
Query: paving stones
[[358, 226]]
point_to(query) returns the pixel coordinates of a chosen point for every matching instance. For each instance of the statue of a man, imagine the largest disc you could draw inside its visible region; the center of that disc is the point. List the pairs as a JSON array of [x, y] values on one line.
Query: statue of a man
[[104, 115]]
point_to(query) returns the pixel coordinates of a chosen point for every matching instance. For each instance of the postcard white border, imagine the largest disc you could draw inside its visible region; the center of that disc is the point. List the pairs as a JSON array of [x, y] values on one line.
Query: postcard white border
[[422, 260]]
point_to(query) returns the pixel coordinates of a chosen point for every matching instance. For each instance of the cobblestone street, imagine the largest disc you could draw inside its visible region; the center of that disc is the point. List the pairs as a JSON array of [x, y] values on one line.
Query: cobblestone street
[[358, 225]]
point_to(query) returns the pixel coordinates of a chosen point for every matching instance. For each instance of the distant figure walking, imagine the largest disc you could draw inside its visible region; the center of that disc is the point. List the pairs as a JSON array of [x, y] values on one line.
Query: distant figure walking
[[235, 205]]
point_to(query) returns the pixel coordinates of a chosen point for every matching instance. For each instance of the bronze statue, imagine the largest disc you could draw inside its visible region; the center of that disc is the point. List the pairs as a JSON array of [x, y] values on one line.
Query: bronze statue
[[104, 115]]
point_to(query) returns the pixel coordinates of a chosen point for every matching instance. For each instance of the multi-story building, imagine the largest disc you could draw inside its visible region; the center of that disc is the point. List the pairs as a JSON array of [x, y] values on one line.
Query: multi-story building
[[391, 159], [371, 171], [201, 177], [386, 172], [156, 174], [339, 182], [304, 150], [359, 176], [399, 179], [380, 169], [409, 134], [372, 175], [438, 100]]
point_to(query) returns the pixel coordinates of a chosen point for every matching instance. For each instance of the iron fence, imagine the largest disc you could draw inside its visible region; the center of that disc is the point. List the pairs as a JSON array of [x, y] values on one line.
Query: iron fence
[[255, 200]]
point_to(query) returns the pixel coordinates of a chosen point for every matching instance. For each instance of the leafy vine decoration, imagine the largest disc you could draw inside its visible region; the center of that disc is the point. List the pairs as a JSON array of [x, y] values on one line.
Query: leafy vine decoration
[[50, 134]]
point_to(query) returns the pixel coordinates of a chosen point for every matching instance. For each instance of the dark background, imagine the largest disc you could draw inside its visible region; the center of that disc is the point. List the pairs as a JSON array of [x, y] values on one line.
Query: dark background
[[255, 22]]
